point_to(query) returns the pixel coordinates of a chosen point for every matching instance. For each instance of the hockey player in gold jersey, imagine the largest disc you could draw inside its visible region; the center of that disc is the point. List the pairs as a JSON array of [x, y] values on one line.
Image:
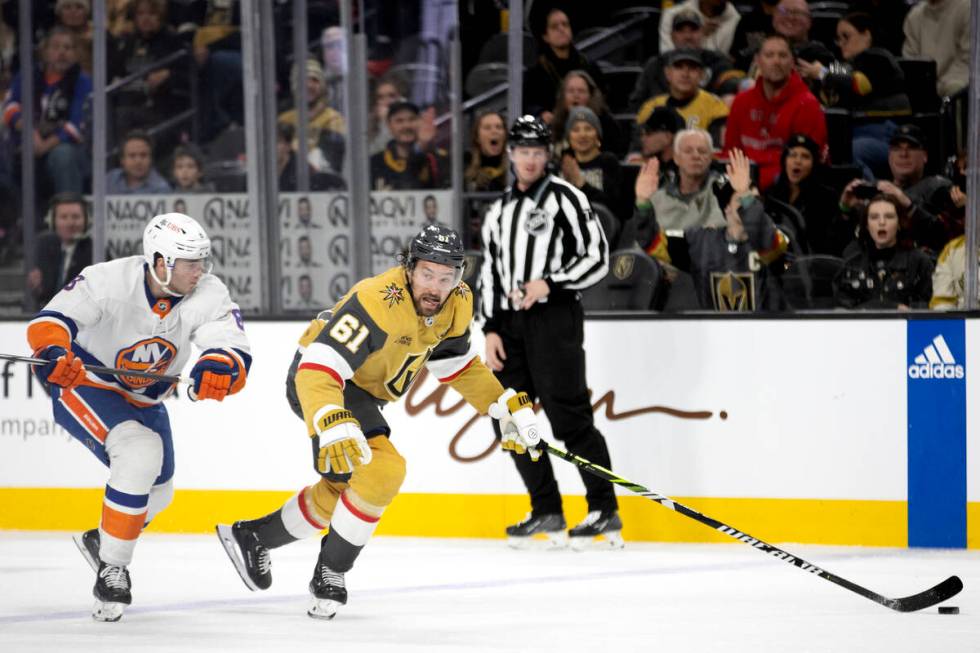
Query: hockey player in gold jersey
[[351, 360]]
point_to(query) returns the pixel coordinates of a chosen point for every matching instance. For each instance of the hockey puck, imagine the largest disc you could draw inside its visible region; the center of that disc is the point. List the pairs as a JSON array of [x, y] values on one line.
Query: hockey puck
[[948, 609]]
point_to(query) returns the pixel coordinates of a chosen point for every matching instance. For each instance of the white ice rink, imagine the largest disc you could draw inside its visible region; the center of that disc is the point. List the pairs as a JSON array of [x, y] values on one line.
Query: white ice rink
[[478, 595]]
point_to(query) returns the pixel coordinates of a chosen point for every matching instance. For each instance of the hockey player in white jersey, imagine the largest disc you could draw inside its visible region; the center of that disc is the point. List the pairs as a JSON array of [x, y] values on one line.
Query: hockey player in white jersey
[[137, 313]]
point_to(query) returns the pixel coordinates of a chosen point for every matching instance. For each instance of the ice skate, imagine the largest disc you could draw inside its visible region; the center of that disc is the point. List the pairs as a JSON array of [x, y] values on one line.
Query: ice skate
[[328, 590], [538, 531], [251, 559], [601, 529], [112, 592], [88, 545]]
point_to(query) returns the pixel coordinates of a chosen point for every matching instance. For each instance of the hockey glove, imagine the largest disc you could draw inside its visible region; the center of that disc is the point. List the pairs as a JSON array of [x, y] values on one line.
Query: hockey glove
[[339, 446], [518, 424], [213, 375], [64, 369]]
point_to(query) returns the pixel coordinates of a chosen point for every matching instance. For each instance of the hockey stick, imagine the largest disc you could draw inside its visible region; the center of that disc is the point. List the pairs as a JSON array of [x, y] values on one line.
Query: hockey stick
[[98, 369], [941, 592]]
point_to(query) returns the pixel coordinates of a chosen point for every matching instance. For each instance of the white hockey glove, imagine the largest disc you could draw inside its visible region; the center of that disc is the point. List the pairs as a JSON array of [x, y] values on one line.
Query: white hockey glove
[[339, 446], [518, 424]]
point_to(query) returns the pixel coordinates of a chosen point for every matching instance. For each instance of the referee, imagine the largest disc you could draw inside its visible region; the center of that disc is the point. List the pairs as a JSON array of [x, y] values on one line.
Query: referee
[[541, 245]]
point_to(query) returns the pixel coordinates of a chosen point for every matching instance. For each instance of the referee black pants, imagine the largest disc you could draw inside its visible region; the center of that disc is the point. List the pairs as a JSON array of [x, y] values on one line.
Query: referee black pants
[[545, 359]]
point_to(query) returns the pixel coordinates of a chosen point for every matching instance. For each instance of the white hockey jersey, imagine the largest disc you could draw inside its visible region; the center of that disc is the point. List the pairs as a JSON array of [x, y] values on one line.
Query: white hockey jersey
[[108, 317]]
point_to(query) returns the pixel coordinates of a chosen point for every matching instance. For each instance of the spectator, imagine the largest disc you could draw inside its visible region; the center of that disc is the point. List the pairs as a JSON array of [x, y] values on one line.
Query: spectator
[[578, 89], [657, 138], [334, 48], [557, 58], [940, 30], [286, 165], [881, 270], [698, 107], [752, 29], [873, 85], [159, 94], [324, 127], [583, 165], [404, 165], [686, 32], [60, 92], [889, 20], [74, 16], [949, 278], [779, 105], [188, 171], [922, 197], [387, 91], [217, 50], [64, 251], [719, 18], [135, 174], [486, 167], [801, 185], [793, 20], [687, 200], [726, 261]]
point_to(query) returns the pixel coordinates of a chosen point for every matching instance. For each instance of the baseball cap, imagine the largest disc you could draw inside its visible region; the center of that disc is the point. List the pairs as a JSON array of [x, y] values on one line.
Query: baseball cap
[[910, 134], [686, 17], [402, 105], [684, 54]]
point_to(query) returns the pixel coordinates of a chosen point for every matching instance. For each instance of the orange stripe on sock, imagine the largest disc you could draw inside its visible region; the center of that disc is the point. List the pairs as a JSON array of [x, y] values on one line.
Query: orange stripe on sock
[[84, 416], [120, 525]]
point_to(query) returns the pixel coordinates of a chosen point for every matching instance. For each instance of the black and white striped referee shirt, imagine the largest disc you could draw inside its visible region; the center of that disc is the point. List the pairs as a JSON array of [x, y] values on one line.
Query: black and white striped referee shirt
[[547, 232]]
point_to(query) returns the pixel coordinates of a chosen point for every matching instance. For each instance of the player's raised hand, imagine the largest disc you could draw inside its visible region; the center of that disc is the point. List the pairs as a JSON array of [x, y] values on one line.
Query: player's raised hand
[[518, 424], [339, 446], [213, 375], [64, 369]]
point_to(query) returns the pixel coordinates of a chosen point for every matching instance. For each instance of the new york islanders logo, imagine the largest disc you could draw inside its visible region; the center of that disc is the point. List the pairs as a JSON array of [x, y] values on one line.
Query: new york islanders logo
[[393, 294], [149, 355]]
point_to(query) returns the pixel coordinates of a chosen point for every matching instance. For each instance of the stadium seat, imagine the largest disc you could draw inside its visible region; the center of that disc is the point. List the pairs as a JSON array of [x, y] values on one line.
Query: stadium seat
[[496, 49], [808, 283], [633, 283], [227, 176], [484, 77], [610, 224], [839, 135], [682, 295], [920, 83], [823, 26], [620, 81]]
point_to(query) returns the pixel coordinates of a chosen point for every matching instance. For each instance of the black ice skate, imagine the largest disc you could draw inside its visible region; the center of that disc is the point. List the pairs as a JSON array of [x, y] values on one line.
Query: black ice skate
[[88, 544], [251, 559], [112, 592], [328, 590], [538, 531], [599, 529]]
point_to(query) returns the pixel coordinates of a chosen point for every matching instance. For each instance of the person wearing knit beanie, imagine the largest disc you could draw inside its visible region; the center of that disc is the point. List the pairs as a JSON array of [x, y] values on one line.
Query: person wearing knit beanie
[[575, 114]]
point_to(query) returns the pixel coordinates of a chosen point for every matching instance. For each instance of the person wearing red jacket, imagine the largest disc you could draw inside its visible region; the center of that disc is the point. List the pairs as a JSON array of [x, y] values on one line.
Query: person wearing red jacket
[[764, 117]]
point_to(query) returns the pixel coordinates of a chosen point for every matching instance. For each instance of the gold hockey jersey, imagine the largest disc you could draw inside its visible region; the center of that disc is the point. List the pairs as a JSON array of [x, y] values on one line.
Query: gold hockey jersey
[[375, 339]]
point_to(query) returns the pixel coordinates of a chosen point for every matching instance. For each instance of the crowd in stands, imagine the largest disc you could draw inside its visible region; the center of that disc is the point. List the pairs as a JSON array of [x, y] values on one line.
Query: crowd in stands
[[814, 97]]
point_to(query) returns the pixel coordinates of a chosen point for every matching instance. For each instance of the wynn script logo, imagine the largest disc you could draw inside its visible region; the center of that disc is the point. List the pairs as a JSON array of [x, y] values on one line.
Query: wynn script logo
[[415, 404]]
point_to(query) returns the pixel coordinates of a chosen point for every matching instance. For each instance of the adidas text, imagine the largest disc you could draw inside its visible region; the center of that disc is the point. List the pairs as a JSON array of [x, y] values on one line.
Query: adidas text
[[937, 371]]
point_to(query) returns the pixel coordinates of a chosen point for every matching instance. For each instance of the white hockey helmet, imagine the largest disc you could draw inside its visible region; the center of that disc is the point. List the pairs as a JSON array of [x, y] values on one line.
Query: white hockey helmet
[[175, 236]]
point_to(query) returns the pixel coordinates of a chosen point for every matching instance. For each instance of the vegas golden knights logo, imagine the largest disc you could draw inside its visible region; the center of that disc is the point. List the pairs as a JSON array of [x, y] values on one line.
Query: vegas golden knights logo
[[623, 267], [733, 292], [402, 379]]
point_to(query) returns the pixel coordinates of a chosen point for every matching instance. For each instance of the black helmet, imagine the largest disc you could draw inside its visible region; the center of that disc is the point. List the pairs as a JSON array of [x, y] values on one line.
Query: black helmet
[[528, 130], [437, 244]]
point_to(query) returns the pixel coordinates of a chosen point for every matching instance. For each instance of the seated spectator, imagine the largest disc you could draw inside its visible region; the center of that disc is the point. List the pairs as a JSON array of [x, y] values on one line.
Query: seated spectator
[[949, 278], [922, 197], [779, 105], [135, 174], [324, 127], [801, 185], [726, 261], [486, 165], [387, 91], [687, 200], [595, 173], [881, 269], [74, 16], [719, 17], [698, 107], [404, 165], [657, 138], [188, 171], [217, 47], [157, 96], [871, 83], [286, 166], [792, 19], [578, 89], [557, 58], [687, 33], [940, 30], [64, 251], [60, 92]]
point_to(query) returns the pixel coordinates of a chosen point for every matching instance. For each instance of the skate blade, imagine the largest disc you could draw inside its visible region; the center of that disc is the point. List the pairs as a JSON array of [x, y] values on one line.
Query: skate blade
[[106, 611], [601, 542], [325, 609], [231, 548], [92, 562], [539, 541]]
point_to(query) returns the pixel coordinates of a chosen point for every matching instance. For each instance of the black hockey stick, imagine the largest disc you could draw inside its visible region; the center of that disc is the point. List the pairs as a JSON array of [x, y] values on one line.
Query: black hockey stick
[[98, 369], [941, 592]]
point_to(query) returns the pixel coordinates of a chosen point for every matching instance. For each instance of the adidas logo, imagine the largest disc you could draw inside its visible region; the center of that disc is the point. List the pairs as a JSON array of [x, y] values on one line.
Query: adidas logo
[[936, 362]]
